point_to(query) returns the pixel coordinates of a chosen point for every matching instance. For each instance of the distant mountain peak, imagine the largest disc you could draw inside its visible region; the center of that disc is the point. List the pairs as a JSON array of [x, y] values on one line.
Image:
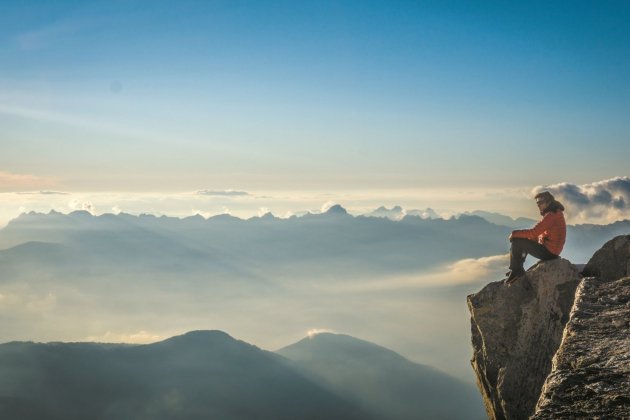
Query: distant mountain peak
[[339, 344], [336, 209], [501, 219], [141, 215], [224, 216], [395, 213], [200, 339], [80, 213], [394, 208], [202, 335], [267, 216]]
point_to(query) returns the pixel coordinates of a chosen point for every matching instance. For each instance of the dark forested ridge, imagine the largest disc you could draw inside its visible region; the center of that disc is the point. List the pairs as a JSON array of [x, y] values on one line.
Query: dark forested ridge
[[208, 374], [382, 381], [200, 375]]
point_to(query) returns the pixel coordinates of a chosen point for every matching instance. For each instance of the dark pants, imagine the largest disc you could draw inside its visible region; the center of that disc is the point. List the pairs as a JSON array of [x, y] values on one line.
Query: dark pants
[[521, 247]]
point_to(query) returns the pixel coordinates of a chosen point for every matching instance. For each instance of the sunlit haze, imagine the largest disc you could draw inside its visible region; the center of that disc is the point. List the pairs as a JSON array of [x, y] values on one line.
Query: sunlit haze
[[380, 98], [375, 157]]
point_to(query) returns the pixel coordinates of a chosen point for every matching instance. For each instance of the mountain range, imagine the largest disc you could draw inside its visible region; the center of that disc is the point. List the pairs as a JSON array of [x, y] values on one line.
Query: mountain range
[[351, 244], [334, 238], [81, 277]]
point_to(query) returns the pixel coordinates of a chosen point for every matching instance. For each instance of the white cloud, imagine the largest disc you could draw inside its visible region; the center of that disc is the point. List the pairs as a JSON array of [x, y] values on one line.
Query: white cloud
[[27, 302], [42, 193], [140, 337], [262, 211], [223, 193], [395, 213], [314, 331], [469, 270], [599, 202], [11, 181], [82, 205], [476, 268]]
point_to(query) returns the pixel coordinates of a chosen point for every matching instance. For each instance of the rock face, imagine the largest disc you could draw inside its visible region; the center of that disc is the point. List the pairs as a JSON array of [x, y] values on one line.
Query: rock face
[[612, 261], [546, 350], [590, 378], [516, 330], [591, 370]]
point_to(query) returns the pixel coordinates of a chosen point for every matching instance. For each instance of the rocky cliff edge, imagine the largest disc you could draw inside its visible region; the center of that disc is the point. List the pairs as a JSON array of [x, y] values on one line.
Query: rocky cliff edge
[[556, 344]]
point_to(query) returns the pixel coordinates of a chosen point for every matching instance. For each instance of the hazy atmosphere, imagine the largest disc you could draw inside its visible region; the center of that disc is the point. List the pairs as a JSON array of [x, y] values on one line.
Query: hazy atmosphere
[[280, 169]]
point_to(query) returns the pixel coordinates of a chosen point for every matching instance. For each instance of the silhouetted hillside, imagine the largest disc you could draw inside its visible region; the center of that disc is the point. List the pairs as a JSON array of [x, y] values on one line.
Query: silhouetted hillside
[[382, 381], [199, 375]]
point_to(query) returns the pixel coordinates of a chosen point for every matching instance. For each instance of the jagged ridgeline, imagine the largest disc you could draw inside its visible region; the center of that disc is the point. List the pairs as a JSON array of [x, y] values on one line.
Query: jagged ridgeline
[[556, 344], [226, 246]]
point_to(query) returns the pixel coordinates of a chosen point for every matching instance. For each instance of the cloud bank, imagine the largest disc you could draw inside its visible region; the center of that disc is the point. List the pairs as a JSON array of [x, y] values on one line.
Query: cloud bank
[[140, 337], [223, 193], [9, 182], [604, 201], [42, 193], [82, 205], [460, 272], [315, 331], [15, 303]]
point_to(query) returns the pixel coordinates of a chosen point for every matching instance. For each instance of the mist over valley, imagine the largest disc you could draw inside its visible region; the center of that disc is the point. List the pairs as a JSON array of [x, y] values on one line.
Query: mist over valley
[[122, 278]]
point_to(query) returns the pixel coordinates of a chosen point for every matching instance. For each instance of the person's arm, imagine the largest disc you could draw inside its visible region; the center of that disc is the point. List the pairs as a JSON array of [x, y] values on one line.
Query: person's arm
[[537, 230]]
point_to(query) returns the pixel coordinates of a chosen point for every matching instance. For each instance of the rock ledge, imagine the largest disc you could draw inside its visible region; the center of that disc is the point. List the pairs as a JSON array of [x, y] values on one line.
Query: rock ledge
[[591, 370], [544, 350], [516, 331]]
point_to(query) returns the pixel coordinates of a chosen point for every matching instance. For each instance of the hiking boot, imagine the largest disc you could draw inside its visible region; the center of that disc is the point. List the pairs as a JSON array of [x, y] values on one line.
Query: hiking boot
[[514, 274]]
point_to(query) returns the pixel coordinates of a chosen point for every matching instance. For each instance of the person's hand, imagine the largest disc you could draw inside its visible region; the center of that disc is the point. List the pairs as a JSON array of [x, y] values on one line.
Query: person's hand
[[510, 237]]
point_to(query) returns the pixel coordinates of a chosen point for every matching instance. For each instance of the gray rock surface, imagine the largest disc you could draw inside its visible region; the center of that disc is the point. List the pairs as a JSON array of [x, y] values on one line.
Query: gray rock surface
[[612, 261], [516, 330], [590, 378], [535, 357]]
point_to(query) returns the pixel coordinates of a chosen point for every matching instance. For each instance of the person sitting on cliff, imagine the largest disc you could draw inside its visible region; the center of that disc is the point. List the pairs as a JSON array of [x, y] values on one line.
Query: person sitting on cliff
[[544, 241]]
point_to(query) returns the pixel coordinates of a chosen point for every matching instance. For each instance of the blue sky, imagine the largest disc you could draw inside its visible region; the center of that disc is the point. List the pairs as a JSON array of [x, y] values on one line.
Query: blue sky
[[312, 96]]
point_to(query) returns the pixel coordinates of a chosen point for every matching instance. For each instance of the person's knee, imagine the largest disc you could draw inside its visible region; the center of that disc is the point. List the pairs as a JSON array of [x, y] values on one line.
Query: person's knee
[[519, 242]]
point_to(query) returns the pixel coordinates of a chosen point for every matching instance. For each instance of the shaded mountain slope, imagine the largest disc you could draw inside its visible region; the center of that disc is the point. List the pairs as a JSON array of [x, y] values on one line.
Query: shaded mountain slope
[[382, 381], [200, 375]]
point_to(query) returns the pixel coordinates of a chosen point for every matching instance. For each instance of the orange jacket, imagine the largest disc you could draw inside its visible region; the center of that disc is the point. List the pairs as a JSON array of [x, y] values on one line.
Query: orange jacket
[[551, 231]]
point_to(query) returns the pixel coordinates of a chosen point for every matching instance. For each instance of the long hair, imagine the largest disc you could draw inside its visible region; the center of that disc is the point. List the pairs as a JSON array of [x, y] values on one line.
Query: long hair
[[554, 205]]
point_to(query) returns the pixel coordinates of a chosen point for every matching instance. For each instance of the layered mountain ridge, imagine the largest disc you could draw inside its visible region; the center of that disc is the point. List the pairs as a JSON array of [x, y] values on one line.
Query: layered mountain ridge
[[208, 374]]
